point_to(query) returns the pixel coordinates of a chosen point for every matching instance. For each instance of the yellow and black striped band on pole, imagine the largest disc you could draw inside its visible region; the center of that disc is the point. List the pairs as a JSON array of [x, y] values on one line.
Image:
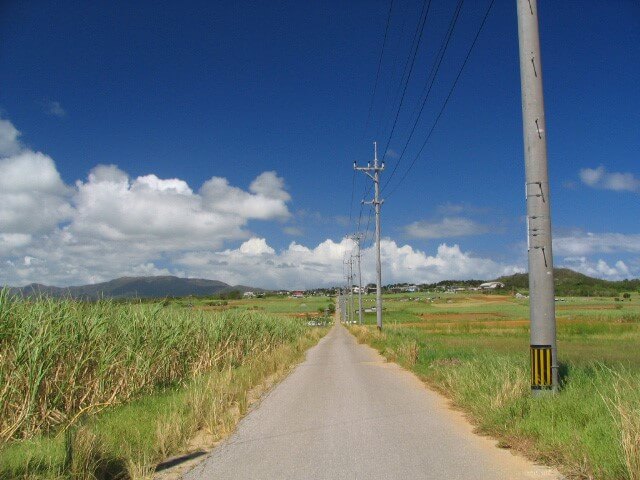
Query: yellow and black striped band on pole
[[541, 367]]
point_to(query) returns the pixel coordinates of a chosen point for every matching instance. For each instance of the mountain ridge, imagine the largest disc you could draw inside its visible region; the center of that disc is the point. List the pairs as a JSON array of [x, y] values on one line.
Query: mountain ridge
[[135, 287]]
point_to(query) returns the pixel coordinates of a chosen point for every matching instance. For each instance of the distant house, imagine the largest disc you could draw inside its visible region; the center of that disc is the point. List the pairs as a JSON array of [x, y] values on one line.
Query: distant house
[[297, 294], [248, 294], [491, 285]]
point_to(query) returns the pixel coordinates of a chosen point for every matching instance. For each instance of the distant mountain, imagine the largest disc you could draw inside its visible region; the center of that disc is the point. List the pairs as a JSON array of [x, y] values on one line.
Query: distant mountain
[[136, 287], [568, 282]]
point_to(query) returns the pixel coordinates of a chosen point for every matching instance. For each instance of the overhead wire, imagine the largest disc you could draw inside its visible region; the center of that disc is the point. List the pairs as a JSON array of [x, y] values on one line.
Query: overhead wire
[[446, 101], [375, 85], [420, 29], [373, 95], [404, 79], [435, 68], [395, 69]]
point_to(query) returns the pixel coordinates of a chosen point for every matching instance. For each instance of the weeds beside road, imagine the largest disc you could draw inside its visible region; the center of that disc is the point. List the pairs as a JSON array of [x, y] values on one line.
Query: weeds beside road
[[162, 374]]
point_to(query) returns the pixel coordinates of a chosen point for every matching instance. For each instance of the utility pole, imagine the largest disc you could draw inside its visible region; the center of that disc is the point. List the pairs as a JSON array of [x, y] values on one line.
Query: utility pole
[[351, 305], [377, 203], [357, 237], [544, 361], [349, 276]]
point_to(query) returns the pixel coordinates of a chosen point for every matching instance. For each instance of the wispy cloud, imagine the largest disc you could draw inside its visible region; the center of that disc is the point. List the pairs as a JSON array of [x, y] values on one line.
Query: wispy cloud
[[602, 179], [448, 227], [450, 208], [579, 244], [55, 109], [391, 153], [293, 231]]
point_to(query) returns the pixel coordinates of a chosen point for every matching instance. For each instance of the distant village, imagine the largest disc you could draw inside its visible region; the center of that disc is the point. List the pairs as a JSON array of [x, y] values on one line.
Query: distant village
[[444, 287]]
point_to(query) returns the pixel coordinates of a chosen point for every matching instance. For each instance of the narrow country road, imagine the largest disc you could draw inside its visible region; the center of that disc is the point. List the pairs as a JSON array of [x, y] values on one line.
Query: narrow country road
[[347, 414]]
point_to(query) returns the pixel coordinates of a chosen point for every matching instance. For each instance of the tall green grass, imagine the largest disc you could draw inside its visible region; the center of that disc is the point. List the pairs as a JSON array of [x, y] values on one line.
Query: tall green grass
[[63, 359]]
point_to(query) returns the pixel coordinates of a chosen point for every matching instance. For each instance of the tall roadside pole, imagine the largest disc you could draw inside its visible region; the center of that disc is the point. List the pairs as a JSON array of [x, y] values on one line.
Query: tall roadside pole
[[377, 203], [357, 238], [544, 361], [349, 298], [351, 305]]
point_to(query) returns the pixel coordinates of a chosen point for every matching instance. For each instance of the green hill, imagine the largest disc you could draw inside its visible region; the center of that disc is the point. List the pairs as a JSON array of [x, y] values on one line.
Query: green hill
[[570, 283]]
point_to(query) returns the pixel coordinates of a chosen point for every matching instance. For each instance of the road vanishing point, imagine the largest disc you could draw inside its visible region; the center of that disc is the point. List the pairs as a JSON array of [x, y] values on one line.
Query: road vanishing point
[[346, 413]]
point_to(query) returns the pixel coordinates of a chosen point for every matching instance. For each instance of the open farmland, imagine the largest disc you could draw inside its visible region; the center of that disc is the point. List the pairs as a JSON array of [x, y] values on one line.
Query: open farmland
[[475, 349], [108, 389], [274, 304]]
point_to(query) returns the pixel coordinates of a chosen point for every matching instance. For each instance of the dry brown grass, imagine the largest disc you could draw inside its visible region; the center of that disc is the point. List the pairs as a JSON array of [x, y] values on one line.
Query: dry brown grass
[[408, 351]]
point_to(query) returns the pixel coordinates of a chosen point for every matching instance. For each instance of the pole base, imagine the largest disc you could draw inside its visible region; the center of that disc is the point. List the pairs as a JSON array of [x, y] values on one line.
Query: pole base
[[542, 391]]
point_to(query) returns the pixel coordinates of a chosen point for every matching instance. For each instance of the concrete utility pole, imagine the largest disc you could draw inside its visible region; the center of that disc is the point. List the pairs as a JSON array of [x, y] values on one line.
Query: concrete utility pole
[[349, 276], [377, 203], [351, 304], [357, 237], [544, 361]]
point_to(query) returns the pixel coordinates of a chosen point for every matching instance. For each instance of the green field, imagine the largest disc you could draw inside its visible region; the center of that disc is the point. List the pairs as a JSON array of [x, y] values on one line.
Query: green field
[[277, 304], [107, 390], [475, 349]]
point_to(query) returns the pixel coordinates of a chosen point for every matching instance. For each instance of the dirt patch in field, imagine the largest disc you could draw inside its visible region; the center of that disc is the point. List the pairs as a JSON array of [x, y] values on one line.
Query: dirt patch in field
[[460, 316], [491, 298], [585, 307], [469, 323]]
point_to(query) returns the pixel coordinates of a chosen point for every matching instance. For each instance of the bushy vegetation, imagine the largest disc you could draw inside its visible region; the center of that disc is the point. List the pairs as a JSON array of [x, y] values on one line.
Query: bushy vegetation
[[570, 283], [63, 360]]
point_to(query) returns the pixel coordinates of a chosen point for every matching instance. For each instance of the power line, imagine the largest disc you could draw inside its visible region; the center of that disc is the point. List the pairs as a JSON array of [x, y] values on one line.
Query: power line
[[435, 68], [415, 44], [446, 101], [395, 69], [420, 29], [375, 85]]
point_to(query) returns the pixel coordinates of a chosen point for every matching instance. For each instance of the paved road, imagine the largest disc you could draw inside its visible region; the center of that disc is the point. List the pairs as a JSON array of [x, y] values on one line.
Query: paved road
[[346, 414]]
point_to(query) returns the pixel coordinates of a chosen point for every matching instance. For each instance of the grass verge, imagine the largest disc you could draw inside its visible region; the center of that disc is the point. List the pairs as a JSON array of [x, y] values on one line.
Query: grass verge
[[590, 430]]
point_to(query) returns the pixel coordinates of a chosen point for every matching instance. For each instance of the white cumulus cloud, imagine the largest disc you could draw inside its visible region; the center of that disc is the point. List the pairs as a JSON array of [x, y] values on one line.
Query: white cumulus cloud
[[9, 143], [300, 266], [599, 268], [111, 224]]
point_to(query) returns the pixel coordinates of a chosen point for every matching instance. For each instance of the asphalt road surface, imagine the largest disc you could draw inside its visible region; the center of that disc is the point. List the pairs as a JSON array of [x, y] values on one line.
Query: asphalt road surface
[[345, 413]]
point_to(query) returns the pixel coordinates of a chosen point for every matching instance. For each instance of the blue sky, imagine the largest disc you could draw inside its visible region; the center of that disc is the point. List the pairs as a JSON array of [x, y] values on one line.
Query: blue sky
[[170, 95]]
